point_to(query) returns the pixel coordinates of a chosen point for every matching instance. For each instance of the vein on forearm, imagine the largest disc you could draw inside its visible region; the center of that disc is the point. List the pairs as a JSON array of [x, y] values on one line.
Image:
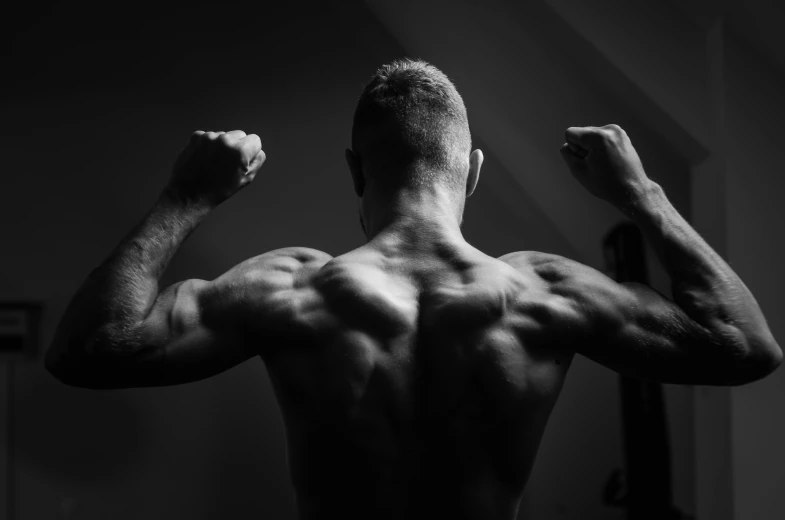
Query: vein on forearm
[[702, 283], [120, 293]]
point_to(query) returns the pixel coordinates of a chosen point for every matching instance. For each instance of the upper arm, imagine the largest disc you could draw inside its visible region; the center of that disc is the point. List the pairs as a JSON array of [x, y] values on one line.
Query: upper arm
[[636, 331], [197, 328]]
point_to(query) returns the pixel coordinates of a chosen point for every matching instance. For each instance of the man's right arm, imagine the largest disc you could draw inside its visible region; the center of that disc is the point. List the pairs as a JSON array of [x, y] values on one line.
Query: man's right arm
[[713, 332]]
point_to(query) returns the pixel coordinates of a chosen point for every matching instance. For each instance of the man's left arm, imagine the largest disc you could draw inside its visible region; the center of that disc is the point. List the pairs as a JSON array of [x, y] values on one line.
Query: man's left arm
[[118, 331]]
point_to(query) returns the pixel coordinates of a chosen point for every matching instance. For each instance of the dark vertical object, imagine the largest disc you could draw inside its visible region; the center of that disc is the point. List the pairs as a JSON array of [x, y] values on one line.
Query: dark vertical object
[[19, 329], [647, 475], [10, 464]]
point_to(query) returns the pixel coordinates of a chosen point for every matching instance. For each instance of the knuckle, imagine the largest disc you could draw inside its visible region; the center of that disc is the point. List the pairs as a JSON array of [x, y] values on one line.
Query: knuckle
[[614, 130], [254, 141], [227, 141], [612, 135], [594, 134]]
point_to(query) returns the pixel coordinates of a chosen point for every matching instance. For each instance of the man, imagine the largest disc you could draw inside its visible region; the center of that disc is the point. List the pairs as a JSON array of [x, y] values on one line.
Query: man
[[415, 374]]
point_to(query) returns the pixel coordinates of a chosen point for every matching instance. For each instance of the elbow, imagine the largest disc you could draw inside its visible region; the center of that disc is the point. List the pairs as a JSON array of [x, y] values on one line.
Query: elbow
[[770, 361], [776, 360], [61, 371], [761, 359], [745, 356], [69, 371], [84, 364], [77, 379]]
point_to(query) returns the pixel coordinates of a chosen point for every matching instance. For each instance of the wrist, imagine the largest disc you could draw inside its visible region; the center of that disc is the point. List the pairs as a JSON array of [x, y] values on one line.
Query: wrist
[[640, 196], [178, 200]]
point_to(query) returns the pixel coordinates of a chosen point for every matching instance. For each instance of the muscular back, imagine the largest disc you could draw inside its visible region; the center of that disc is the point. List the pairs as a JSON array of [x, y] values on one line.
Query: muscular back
[[413, 384], [414, 388]]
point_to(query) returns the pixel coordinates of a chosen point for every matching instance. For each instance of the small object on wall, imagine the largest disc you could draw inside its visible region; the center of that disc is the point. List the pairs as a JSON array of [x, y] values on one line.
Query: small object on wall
[[19, 323]]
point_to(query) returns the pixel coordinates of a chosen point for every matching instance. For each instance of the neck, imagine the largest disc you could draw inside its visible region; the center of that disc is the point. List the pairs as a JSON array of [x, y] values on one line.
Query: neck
[[414, 218]]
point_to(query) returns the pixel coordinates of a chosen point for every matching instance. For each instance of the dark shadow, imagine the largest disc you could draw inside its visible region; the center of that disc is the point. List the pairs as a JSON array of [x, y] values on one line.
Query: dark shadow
[[248, 450], [82, 434]]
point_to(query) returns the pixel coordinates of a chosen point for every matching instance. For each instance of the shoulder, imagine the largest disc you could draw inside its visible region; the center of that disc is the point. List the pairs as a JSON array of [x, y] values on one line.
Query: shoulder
[[550, 267], [268, 289], [530, 258], [286, 260], [272, 272], [574, 290], [303, 254]]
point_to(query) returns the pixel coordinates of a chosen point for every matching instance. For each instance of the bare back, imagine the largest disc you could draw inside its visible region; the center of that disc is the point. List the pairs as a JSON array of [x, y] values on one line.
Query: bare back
[[412, 384], [415, 388]]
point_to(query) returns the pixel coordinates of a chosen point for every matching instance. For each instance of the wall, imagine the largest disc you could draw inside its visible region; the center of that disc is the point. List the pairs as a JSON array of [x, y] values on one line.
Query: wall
[[756, 246]]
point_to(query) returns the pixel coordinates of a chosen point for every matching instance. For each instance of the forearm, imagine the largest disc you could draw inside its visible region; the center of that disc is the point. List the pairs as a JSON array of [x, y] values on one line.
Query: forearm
[[702, 283], [120, 292]]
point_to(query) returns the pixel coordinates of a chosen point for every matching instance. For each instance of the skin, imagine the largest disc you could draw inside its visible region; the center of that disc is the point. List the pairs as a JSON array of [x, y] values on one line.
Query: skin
[[415, 374]]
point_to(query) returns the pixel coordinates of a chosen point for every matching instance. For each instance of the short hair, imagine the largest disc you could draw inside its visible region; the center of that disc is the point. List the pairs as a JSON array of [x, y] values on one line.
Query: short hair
[[411, 116]]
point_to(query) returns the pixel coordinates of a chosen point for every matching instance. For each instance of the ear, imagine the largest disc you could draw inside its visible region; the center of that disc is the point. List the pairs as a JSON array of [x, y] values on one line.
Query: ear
[[353, 161], [475, 163]]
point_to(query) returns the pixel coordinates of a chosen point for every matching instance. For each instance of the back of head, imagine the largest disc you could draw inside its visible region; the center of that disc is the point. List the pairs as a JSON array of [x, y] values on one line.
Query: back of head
[[411, 126]]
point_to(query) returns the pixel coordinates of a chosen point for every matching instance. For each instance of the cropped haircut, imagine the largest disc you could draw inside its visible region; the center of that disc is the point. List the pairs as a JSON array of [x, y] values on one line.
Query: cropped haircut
[[411, 117]]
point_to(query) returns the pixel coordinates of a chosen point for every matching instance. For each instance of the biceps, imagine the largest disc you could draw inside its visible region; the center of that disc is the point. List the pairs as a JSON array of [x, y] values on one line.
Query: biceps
[[173, 345], [175, 313], [198, 354], [647, 336]]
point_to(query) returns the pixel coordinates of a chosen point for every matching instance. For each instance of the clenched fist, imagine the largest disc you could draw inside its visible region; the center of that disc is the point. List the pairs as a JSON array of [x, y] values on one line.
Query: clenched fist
[[215, 165], [605, 163]]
